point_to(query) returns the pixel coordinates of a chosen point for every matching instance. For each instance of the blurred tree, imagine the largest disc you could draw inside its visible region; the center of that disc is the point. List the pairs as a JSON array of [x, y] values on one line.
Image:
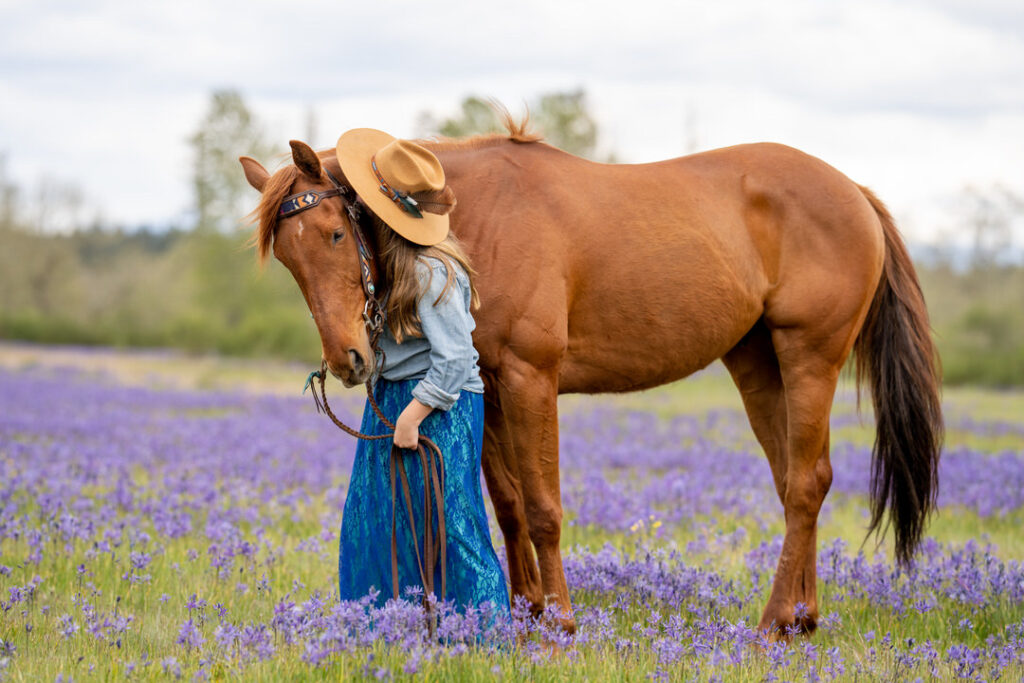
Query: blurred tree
[[566, 123], [57, 206], [476, 117], [990, 215], [37, 273], [563, 118], [53, 204], [8, 196], [227, 131]]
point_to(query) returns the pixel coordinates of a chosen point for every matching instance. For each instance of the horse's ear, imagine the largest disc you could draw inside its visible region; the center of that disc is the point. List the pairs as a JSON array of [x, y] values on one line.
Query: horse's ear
[[306, 159], [254, 172]]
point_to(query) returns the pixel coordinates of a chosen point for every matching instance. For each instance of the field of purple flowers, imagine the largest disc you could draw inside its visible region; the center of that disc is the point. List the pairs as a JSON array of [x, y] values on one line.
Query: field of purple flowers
[[167, 533]]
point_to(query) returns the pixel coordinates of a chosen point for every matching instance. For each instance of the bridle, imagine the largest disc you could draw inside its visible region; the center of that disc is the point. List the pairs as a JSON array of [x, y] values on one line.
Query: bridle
[[431, 459], [373, 312]]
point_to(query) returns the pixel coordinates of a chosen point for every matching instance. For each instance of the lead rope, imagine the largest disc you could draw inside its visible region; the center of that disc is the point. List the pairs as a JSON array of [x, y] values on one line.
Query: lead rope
[[432, 463], [431, 459]]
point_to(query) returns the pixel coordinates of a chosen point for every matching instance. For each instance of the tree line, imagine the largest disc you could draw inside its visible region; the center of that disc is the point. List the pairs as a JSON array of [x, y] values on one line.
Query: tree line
[[198, 287]]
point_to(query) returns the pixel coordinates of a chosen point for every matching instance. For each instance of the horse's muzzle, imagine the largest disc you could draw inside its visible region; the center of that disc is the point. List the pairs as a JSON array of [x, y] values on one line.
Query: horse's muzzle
[[356, 372]]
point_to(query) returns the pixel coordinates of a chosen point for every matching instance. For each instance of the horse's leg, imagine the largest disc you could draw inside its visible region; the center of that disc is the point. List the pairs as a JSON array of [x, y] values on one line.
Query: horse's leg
[[529, 398], [809, 366], [755, 370], [502, 476]]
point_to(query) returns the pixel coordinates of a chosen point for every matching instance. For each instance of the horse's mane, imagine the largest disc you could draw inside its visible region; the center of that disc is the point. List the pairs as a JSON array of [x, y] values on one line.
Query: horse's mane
[[516, 131], [278, 185], [265, 212]]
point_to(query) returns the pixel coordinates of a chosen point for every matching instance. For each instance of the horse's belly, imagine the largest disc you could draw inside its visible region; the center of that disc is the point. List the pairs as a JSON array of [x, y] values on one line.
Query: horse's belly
[[628, 351], [583, 376]]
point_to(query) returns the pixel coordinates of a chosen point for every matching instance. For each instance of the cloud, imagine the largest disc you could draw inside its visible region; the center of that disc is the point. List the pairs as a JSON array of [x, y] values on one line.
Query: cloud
[[922, 95]]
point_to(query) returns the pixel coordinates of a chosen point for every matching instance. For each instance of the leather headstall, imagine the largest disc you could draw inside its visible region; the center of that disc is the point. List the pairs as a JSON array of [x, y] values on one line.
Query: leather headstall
[[373, 315]]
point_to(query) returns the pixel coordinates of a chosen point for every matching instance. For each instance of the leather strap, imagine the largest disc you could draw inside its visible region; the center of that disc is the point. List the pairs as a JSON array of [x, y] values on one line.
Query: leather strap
[[434, 556], [295, 203]]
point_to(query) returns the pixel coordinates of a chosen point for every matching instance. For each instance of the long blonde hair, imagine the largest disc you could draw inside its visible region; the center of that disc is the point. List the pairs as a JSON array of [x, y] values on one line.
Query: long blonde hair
[[398, 258]]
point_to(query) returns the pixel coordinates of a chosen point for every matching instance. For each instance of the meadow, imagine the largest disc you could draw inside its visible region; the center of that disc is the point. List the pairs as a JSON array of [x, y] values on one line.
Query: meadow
[[167, 516]]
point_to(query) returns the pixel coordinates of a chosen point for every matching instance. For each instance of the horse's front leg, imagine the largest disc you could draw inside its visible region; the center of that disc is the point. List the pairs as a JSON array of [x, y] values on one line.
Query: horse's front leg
[[529, 399], [502, 474]]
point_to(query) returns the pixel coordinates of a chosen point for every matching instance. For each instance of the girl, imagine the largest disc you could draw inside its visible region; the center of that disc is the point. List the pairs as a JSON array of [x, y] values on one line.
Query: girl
[[429, 383]]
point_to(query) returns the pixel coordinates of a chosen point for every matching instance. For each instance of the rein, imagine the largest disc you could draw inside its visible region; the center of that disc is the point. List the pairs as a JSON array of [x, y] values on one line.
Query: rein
[[431, 459], [432, 463]]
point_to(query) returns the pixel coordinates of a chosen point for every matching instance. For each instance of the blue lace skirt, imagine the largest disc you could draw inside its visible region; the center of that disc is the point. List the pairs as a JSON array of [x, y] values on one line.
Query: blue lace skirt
[[473, 573]]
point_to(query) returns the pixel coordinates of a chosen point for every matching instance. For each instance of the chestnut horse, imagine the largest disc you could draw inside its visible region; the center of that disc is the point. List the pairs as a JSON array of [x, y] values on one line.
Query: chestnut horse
[[609, 278]]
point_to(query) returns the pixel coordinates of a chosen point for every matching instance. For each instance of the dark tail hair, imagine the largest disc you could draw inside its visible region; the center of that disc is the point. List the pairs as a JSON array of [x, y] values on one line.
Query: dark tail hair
[[895, 354]]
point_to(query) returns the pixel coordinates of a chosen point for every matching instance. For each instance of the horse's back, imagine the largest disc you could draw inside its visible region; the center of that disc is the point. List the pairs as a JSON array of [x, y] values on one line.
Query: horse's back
[[628, 276]]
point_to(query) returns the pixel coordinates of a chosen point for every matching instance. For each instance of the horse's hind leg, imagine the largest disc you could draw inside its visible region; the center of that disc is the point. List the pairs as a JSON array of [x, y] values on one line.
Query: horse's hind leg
[[809, 365], [502, 475], [755, 370]]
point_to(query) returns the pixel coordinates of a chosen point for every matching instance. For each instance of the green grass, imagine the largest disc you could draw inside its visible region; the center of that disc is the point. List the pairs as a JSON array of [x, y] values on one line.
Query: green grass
[[156, 625], [176, 574], [179, 568]]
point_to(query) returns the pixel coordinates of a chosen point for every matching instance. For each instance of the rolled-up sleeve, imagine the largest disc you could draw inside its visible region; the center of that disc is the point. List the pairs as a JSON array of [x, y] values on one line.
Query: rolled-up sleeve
[[448, 326]]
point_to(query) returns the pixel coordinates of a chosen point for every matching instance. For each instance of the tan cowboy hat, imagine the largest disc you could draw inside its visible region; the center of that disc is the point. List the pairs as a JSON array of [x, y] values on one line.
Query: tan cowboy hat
[[401, 181]]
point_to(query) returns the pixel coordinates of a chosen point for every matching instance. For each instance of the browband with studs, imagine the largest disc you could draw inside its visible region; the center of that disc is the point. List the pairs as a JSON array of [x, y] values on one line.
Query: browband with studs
[[295, 203]]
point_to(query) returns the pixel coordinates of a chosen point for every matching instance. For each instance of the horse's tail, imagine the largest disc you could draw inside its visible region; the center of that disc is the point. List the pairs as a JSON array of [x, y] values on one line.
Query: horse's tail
[[895, 354]]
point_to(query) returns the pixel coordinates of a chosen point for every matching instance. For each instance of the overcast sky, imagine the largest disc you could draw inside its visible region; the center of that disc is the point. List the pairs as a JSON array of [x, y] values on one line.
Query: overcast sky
[[915, 99]]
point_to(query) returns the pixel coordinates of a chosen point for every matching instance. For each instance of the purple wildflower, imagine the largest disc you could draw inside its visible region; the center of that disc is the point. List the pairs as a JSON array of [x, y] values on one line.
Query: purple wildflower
[[190, 636]]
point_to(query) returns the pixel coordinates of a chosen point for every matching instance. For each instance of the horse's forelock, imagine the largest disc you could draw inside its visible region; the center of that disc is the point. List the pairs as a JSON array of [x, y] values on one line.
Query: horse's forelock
[[274, 191]]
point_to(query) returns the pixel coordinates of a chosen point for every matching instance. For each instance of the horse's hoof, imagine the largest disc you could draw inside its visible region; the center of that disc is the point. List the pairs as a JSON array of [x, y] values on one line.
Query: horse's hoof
[[807, 624], [779, 631]]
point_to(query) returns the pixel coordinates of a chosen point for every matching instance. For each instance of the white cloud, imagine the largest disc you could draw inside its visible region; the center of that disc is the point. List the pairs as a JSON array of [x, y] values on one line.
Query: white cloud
[[914, 98]]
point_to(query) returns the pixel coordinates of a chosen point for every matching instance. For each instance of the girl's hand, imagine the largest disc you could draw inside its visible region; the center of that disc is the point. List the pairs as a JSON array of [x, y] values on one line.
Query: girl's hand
[[407, 426]]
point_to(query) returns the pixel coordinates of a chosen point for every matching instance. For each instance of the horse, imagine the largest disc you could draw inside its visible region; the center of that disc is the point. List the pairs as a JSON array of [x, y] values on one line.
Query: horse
[[612, 278]]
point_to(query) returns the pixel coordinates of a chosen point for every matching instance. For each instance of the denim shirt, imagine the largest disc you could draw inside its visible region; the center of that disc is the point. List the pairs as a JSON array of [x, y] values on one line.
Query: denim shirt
[[443, 359]]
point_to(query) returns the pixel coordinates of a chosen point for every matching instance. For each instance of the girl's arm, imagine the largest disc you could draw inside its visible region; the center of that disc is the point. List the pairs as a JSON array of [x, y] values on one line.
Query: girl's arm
[[407, 426], [448, 327]]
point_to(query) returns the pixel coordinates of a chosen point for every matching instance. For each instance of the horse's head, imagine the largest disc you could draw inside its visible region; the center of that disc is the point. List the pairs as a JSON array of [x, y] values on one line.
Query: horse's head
[[313, 236]]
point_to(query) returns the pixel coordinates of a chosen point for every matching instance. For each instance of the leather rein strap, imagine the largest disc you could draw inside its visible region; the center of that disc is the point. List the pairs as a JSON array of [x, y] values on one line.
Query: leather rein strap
[[431, 460], [434, 553]]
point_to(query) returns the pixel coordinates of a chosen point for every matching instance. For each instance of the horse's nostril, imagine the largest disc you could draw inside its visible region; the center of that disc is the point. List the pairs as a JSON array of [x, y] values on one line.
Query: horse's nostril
[[358, 364]]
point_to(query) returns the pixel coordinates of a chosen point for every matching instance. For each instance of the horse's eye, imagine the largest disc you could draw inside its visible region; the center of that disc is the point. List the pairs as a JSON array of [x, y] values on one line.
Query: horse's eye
[[338, 236]]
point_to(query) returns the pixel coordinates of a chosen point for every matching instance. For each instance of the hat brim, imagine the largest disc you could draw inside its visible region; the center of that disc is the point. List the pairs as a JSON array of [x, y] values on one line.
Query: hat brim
[[355, 149]]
